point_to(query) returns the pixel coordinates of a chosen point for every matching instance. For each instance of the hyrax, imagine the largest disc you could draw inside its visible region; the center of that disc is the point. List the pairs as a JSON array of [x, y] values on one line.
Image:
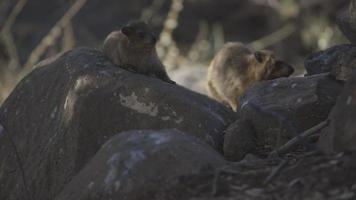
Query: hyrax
[[236, 68], [133, 47]]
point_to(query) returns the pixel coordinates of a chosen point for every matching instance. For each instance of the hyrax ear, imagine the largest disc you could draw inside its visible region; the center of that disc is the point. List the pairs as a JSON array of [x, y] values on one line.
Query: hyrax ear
[[127, 30], [260, 56]]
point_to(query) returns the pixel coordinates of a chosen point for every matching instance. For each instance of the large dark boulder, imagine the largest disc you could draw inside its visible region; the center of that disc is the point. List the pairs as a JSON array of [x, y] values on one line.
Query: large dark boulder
[[136, 165], [59, 116], [338, 60], [273, 112], [340, 136], [347, 22]]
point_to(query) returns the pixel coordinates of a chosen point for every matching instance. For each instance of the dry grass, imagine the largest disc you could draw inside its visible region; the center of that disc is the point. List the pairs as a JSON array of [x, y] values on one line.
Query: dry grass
[[11, 73]]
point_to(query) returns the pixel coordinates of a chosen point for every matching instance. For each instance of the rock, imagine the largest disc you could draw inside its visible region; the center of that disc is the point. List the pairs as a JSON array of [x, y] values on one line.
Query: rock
[[334, 176], [239, 140], [273, 112], [347, 22], [63, 112], [340, 136], [338, 60], [135, 165]]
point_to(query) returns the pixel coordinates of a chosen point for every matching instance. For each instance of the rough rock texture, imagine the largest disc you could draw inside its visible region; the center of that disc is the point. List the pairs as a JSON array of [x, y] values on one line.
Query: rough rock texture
[[307, 176], [240, 139], [59, 116], [136, 165], [273, 112], [339, 60], [341, 134], [347, 22]]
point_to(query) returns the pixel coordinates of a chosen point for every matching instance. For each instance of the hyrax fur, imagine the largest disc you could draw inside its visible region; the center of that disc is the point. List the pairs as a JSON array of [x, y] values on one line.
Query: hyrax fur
[[235, 68], [133, 47]]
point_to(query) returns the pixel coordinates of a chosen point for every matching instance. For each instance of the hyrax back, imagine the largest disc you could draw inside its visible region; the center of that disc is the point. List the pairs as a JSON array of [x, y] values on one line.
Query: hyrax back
[[235, 68], [133, 47]]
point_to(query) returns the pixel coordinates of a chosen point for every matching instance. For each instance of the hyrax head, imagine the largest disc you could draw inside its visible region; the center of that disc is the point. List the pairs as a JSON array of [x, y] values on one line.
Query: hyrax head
[[273, 68], [139, 34]]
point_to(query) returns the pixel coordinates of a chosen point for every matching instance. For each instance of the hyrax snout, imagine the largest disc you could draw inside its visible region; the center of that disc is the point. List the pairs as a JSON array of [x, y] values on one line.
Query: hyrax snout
[[235, 68]]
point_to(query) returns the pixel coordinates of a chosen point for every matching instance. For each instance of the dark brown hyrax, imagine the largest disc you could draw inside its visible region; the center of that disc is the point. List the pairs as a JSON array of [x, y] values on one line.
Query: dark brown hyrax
[[235, 68], [133, 47]]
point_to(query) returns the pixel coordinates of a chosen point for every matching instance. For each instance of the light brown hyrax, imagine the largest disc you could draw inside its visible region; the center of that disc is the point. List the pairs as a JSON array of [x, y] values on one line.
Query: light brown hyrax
[[235, 68], [133, 47]]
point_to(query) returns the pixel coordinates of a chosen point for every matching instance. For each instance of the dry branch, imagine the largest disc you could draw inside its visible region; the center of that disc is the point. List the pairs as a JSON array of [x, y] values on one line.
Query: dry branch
[[273, 38], [275, 172], [54, 33], [200, 44], [301, 137], [166, 47], [149, 12], [68, 39], [13, 15], [6, 35]]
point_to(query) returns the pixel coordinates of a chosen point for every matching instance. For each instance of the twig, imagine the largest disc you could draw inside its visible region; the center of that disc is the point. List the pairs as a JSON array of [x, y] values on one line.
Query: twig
[[200, 44], [297, 139], [13, 15], [166, 47], [5, 5], [218, 36], [273, 38], [54, 33], [215, 182], [149, 12], [275, 172], [68, 39], [10, 46], [6, 34]]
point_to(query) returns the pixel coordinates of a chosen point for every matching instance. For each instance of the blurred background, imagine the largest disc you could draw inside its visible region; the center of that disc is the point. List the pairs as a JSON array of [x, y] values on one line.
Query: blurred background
[[191, 31]]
